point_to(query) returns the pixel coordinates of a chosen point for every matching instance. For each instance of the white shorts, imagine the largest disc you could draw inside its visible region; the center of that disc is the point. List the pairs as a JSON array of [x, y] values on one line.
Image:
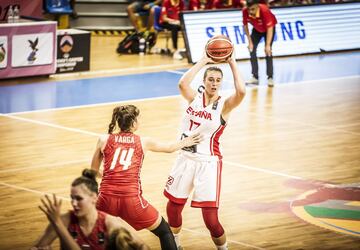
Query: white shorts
[[204, 177]]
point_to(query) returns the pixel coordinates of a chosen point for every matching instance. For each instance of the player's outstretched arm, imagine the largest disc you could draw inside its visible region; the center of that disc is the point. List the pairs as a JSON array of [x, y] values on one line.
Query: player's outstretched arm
[[184, 84], [155, 146], [236, 98], [98, 156]]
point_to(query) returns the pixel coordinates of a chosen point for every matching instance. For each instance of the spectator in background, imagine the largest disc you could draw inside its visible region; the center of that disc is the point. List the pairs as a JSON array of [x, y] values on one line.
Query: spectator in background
[[142, 7], [227, 4], [200, 5], [263, 22], [170, 19], [72, 5]]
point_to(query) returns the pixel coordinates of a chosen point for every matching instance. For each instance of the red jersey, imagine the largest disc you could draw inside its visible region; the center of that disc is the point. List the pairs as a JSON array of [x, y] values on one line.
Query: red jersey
[[226, 4], [97, 238], [194, 5], [123, 157], [171, 11], [264, 19]]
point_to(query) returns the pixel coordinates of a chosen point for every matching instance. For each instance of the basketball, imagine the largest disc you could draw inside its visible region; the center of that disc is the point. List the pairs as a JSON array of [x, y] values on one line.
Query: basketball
[[219, 48]]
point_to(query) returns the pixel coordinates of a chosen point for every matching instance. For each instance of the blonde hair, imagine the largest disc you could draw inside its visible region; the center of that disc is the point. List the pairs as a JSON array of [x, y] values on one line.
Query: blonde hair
[[121, 238]]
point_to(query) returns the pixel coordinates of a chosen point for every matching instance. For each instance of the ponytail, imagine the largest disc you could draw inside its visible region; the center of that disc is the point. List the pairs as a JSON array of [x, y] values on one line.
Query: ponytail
[[124, 117]]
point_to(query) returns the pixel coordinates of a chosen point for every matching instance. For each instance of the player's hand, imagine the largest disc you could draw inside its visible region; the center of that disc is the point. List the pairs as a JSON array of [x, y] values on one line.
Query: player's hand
[[192, 140], [268, 50], [51, 208], [232, 58], [250, 46], [206, 59]]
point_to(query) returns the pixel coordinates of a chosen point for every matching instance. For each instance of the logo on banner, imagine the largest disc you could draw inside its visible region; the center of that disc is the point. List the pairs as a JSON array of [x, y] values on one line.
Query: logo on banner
[[33, 45], [32, 49], [332, 207], [66, 45], [3, 51]]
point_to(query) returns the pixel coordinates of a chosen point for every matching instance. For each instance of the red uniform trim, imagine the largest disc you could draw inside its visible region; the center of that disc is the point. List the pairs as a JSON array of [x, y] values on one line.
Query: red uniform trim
[[214, 142], [218, 182], [174, 199], [204, 204]]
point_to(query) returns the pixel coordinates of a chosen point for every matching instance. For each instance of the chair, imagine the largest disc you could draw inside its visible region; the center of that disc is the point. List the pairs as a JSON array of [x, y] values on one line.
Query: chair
[[61, 9], [58, 7], [159, 28]]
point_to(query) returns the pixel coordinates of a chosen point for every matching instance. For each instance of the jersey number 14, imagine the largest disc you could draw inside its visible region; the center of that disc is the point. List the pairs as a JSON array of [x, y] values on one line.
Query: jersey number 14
[[124, 159]]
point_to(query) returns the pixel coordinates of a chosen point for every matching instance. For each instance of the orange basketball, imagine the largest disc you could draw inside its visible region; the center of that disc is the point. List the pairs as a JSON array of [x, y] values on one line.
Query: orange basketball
[[219, 48]]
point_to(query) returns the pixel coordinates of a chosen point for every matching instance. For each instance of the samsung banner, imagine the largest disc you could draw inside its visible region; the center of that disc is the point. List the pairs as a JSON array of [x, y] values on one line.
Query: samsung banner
[[300, 29]]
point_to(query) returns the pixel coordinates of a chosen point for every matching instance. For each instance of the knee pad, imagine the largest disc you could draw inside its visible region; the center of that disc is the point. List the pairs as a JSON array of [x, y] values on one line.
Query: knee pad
[[162, 229], [212, 223], [174, 213]]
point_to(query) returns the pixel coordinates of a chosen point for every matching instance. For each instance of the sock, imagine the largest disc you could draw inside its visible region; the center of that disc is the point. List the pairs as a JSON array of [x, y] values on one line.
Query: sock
[[222, 247], [177, 239]]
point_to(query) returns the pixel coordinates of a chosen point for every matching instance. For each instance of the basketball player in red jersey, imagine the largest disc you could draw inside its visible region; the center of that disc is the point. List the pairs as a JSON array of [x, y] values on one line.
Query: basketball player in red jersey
[[84, 227], [120, 188], [198, 168]]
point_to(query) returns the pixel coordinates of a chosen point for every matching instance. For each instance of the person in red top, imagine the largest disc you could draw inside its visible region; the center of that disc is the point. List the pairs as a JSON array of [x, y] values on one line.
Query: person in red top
[[170, 19], [263, 22], [83, 227], [120, 189], [200, 4], [226, 4]]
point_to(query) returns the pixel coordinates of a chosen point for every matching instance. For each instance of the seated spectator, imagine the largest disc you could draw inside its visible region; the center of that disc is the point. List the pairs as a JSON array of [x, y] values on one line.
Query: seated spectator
[[227, 4], [170, 20], [96, 226], [144, 7], [200, 4]]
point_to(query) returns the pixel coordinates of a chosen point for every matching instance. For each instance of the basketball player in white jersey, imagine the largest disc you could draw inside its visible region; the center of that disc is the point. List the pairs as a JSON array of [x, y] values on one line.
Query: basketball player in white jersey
[[198, 167]]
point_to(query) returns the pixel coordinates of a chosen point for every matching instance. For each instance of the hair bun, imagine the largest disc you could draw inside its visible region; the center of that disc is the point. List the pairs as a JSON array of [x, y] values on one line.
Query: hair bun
[[89, 173]]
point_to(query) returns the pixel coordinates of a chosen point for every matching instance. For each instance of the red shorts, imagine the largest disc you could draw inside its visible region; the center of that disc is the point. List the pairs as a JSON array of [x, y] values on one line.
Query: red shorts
[[135, 210]]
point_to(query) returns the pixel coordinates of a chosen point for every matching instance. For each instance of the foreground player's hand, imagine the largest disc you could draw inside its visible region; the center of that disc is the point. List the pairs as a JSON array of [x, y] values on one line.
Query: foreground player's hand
[[51, 208], [206, 59], [232, 58], [192, 140]]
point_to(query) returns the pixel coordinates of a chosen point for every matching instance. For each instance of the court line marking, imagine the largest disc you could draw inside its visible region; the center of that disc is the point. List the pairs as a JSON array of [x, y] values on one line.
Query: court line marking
[[92, 105], [113, 71], [44, 166], [68, 199], [228, 240], [348, 125], [304, 123], [177, 95], [30, 190], [263, 170], [50, 125], [97, 135], [176, 72]]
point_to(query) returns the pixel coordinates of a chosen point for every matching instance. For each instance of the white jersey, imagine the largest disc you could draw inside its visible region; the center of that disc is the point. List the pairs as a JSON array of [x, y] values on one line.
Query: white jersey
[[207, 121]]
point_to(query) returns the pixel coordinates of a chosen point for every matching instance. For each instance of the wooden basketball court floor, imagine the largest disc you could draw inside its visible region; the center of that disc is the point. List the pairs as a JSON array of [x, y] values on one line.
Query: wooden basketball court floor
[[280, 144]]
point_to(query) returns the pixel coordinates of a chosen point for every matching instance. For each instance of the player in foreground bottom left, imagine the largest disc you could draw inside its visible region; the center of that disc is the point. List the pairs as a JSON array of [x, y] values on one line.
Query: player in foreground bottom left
[[120, 190], [84, 227]]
